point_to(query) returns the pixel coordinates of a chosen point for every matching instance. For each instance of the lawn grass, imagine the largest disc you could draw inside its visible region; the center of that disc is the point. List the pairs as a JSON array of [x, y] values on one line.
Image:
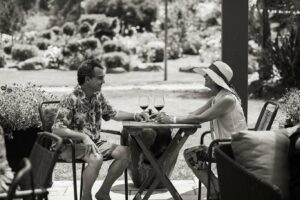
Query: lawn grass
[[55, 78]]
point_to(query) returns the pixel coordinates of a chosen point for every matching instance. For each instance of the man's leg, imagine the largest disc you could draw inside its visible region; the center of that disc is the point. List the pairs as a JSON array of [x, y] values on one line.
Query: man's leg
[[90, 174], [121, 156]]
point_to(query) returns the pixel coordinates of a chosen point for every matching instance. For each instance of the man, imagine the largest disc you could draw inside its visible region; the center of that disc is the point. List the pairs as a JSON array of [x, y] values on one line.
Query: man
[[79, 118]]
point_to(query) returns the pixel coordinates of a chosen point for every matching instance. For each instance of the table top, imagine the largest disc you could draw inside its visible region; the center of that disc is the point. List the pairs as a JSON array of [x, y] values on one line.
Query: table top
[[134, 124]]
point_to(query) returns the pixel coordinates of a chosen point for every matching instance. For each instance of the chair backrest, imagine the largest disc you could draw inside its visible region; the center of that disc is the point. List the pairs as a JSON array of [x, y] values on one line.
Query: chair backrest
[[267, 116], [43, 158], [238, 183], [47, 112], [25, 169]]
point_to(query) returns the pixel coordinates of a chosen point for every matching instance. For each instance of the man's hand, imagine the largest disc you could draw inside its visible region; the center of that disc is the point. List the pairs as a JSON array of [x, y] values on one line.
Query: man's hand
[[88, 141], [4, 181], [143, 116]]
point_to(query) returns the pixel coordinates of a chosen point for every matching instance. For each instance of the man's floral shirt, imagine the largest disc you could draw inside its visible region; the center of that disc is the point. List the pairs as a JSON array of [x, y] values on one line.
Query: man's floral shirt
[[81, 114]]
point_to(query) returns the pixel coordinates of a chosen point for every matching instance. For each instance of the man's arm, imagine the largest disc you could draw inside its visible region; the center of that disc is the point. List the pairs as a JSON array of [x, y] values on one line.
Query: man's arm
[[127, 116], [66, 132]]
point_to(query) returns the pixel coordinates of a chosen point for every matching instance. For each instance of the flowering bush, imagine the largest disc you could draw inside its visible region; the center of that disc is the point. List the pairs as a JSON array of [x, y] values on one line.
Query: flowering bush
[[19, 106], [290, 105]]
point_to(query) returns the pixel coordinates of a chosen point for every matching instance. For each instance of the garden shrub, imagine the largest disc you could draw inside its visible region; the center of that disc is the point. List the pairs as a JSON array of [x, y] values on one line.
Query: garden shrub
[[131, 44], [42, 44], [54, 57], [289, 104], [66, 52], [56, 30], [74, 46], [7, 48], [35, 63], [115, 60], [191, 44], [74, 61], [152, 52], [23, 52], [174, 50], [114, 45], [89, 43], [146, 37], [46, 34], [90, 18], [104, 26], [84, 28], [2, 60], [174, 44], [69, 28]]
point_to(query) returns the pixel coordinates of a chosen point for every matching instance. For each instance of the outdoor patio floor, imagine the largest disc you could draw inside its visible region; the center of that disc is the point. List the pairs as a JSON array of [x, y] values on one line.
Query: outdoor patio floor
[[188, 189]]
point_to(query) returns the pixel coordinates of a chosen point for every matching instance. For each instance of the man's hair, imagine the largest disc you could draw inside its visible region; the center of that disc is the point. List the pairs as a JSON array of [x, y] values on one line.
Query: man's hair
[[86, 68]]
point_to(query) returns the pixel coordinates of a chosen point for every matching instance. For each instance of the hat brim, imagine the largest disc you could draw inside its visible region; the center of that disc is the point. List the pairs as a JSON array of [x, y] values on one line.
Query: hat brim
[[216, 78]]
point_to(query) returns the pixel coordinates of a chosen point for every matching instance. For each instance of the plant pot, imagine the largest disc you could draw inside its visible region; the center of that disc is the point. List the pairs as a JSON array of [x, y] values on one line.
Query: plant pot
[[20, 146], [155, 139]]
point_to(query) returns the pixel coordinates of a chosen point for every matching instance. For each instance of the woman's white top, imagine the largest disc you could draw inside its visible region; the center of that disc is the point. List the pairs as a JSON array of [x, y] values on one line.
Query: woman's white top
[[232, 121]]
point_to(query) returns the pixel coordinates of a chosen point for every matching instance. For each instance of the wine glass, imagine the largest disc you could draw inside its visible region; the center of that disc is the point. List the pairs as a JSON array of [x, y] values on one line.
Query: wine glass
[[144, 101], [159, 102]]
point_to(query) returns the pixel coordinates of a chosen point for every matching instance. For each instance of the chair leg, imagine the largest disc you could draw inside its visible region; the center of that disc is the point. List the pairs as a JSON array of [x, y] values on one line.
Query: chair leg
[[81, 180], [74, 173], [199, 190], [126, 184]]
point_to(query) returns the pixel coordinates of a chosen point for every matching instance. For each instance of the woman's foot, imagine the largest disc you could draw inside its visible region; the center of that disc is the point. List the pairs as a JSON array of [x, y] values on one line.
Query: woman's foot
[[102, 196]]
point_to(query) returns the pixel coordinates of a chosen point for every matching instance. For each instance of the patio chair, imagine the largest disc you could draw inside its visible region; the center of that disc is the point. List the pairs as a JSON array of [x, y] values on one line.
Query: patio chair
[[264, 122], [47, 127], [33, 178], [25, 168], [238, 183]]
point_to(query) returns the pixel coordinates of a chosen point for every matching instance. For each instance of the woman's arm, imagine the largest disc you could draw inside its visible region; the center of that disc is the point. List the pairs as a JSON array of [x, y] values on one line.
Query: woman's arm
[[202, 108], [218, 109]]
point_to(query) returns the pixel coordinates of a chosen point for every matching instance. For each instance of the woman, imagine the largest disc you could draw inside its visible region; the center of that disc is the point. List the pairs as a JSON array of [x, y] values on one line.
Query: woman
[[223, 110]]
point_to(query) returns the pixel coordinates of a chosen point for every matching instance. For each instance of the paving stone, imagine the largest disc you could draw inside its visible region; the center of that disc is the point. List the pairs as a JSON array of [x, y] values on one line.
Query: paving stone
[[63, 190]]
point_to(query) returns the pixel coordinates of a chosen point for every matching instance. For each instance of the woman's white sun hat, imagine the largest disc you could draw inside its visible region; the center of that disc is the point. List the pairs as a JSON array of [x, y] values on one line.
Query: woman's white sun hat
[[219, 72]]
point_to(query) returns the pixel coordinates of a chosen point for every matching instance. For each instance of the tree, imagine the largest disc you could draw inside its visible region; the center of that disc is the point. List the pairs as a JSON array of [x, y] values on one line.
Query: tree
[[131, 13], [66, 10], [11, 16]]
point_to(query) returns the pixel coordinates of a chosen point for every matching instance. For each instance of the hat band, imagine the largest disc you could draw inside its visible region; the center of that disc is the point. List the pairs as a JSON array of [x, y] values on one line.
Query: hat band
[[215, 69]]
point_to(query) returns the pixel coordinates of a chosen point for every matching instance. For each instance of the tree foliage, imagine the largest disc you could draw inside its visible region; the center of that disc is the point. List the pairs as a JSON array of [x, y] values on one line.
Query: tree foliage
[[131, 13], [11, 16], [65, 10]]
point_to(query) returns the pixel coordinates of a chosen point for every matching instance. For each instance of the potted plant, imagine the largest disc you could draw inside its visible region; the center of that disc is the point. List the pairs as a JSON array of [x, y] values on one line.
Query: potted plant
[[290, 106], [19, 118]]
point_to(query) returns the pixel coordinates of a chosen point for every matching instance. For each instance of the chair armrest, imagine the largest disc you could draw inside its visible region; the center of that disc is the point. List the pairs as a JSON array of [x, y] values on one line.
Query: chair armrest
[[203, 135], [113, 132]]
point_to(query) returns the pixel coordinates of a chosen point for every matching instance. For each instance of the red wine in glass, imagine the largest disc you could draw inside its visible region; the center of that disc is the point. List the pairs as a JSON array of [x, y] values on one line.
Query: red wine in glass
[[159, 107], [159, 102], [144, 101], [144, 107]]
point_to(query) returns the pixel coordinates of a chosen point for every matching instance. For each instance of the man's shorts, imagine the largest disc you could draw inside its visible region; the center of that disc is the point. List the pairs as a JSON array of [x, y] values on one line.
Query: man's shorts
[[82, 150]]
